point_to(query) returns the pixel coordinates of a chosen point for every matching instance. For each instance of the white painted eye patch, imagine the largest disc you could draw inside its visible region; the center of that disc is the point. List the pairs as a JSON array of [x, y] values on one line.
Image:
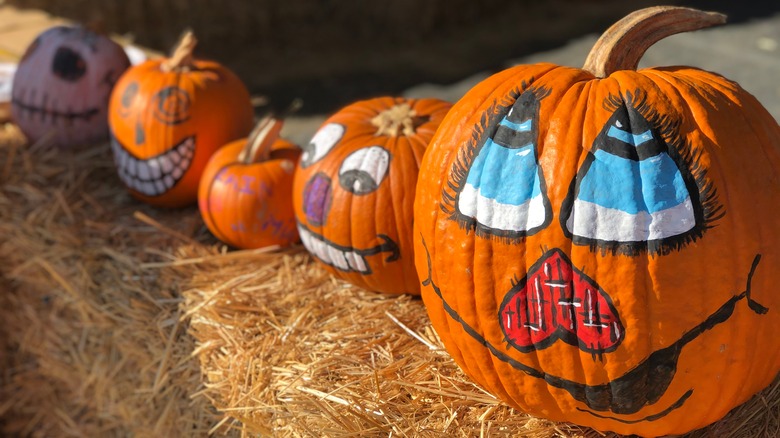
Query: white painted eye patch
[[363, 170], [322, 143]]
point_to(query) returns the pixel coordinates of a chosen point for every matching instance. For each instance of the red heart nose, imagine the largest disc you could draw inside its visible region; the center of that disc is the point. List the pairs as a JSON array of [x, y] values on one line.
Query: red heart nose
[[556, 301]]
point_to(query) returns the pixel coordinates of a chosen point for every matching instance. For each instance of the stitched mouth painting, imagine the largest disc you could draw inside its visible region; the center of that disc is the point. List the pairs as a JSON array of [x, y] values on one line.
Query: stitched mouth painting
[[63, 83]]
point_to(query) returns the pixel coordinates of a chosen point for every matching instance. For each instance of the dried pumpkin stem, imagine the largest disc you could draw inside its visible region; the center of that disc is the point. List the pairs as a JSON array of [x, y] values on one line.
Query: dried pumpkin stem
[[264, 135], [182, 56], [623, 44], [400, 119], [261, 139]]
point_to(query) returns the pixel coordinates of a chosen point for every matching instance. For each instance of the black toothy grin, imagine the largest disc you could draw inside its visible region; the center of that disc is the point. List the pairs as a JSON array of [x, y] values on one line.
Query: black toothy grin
[[47, 112], [156, 175], [345, 258]]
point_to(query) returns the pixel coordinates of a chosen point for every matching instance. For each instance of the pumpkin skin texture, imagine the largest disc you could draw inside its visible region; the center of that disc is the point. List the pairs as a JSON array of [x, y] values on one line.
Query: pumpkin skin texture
[[166, 122], [247, 203], [63, 83], [353, 191], [601, 250]]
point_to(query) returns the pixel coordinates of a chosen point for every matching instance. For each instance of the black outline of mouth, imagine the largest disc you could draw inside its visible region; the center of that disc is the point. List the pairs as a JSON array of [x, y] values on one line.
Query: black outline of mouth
[[160, 171], [324, 244], [652, 376]]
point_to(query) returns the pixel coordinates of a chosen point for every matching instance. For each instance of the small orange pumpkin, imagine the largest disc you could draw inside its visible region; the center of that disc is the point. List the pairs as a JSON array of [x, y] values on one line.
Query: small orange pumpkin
[[63, 83], [245, 194], [167, 117], [601, 245], [354, 189]]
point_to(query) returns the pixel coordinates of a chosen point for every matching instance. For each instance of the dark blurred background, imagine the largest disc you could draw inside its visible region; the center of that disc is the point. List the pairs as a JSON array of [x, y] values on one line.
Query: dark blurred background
[[331, 52]]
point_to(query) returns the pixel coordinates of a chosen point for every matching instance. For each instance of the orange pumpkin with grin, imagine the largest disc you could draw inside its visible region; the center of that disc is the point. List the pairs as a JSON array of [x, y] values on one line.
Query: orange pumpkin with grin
[[167, 117], [601, 245], [353, 191]]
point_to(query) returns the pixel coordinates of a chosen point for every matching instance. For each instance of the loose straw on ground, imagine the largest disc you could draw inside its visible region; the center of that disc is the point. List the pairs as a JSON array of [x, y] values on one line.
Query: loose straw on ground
[[91, 343]]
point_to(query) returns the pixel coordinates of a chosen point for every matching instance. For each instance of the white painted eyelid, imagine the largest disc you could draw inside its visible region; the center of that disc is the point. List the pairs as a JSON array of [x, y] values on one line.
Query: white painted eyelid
[[322, 143]]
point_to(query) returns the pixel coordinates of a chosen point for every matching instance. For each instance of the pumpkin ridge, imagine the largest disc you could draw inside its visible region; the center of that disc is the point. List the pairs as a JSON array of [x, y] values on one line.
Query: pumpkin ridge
[[713, 210], [216, 228]]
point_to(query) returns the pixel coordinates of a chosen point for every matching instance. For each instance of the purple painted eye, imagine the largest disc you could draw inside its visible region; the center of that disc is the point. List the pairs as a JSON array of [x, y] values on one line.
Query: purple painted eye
[[317, 197]]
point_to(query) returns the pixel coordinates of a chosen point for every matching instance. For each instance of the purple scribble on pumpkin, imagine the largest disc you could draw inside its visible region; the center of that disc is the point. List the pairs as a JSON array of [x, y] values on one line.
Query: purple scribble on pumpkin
[[316, 199]]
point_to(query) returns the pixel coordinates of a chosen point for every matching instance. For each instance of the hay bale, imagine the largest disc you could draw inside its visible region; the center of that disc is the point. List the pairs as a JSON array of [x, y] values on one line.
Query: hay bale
[[118, 319], [91, 343], [287, 350]]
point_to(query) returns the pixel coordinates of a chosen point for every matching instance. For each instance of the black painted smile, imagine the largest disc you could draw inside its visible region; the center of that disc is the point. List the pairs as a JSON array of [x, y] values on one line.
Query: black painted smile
[[156, 175], [344, 258], [641, 386]]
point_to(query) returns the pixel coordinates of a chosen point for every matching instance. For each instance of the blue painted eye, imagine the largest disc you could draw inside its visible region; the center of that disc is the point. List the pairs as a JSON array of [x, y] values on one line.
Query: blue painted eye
[[503, 191], [634, 192]]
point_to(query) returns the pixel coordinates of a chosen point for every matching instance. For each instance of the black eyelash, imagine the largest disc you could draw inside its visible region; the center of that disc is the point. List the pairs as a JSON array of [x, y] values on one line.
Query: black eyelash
[[466, 156]]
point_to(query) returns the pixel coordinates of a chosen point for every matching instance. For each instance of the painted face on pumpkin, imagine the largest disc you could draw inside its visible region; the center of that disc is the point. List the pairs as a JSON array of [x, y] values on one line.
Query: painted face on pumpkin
[[63, 84], [361, 173], [640, 191], [156, 174]]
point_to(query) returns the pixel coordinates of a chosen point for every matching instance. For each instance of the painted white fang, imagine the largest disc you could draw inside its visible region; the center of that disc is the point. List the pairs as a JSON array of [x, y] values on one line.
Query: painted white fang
[[356, 262], [143, 170], [337, 258], [331, 255], [130, 166], [165, 164], [154, 168]]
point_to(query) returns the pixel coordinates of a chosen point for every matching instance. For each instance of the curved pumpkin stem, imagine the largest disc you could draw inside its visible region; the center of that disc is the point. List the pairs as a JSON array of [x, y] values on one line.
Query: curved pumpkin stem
[[400, 119], [182, 56], [624, 43], [261, 140], [263, 136]]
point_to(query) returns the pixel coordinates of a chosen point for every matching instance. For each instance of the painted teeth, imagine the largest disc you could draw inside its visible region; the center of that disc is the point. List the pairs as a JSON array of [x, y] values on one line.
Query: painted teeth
[[157, 175], [330, 255]]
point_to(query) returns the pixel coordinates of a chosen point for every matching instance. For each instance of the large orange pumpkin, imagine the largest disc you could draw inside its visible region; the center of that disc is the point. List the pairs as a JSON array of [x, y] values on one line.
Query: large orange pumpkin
[[63, 83], [167, 117], [245, 193], [353, 192], [601, 245]]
